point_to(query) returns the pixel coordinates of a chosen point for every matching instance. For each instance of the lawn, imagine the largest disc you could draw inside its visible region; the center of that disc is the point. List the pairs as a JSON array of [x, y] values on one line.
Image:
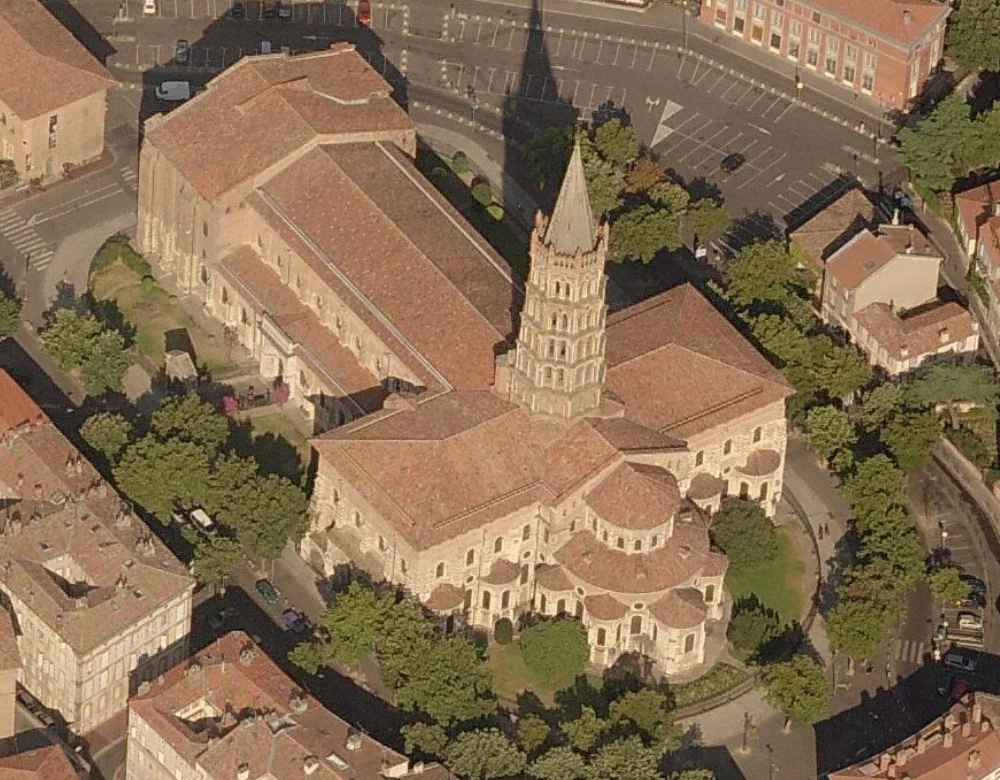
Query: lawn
[[281, 428], [719, 679], [154, 313], [511, 674], [780, 585]]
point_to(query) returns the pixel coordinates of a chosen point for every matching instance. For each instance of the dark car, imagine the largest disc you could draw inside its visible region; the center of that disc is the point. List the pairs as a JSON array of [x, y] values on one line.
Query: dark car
[[293, 621], [974, 584], [270, 10], [974, 601], [238, 11], [732, 162], [284, 11], [268, 592], [182, 52]]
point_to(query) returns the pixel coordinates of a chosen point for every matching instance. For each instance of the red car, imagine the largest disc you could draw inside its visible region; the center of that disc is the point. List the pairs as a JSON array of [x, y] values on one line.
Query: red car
[[364, 12]]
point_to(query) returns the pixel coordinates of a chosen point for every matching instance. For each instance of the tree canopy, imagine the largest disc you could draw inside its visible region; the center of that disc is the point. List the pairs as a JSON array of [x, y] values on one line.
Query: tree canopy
[[640, 233], [10, 315], [947, 585], [744, 533], [832, 435], [215, 559], [974, 35], [798, 688], [559, 763], [556, 650], [190, 419], [78, 342], [947, 383], [483, 753], [107, 433], [762, 271], [157, 474], [616, 142]]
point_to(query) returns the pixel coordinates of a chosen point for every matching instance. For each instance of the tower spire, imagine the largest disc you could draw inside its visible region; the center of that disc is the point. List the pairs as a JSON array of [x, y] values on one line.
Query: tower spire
[[557, 369]]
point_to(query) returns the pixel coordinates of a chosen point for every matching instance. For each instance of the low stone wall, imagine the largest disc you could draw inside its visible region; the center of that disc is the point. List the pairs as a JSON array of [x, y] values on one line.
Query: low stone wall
[[969, 478]]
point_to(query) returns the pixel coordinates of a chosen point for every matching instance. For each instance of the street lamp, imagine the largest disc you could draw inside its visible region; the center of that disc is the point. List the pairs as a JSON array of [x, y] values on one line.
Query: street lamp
[[684, 23], [470, 93]]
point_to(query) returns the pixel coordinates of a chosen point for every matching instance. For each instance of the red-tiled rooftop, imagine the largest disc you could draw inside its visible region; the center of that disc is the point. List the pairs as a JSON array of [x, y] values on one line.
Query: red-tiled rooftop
[[921, 333], [902, 21], [859, 259], [680, 608], [44, 763], [636, 497]]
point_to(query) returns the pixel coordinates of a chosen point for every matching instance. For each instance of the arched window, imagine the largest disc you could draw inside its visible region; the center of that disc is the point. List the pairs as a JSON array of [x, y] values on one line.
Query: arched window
[[558, 288], [578, 610], [486, 599], [709, 593], [303, 382], [561, 606], [498, 544], [744, 490], [402, 565], [689, 643], [654, 632], [440, 570], [572, 526], [602, 637], [524, 574], [357, 518], [505, 599], [763, 491], [243, 316], [553, 320], [526, 533], [727, 447], [467, 600], [654, 541], [636, 627], [562, 350], [567, 290], [225, 296], [542, 604], [565, 322], [470, 557], [560, 378], [618, 633], [357, 343], [638, 545], [338, 323], [756, 434], [621, 543], [204, 275]]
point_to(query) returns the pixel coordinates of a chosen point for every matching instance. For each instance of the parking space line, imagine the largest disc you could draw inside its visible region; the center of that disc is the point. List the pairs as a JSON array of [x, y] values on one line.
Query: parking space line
[[682, 137], [652, 57], [762, 171], [635, 56], [715, 83], [681, 67], [770, 108], [781, 116], [735, 83], [575, 90], [696, 64], [558, 45], [707, 142]]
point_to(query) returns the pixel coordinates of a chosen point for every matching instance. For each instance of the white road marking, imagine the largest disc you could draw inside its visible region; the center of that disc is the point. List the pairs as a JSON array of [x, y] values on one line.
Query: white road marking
[[662, 129]]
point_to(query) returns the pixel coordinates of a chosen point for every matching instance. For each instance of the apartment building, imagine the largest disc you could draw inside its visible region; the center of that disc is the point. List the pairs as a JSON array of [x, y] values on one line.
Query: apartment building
[[98, 603], [53, 94], [231, 714], [885, 49]]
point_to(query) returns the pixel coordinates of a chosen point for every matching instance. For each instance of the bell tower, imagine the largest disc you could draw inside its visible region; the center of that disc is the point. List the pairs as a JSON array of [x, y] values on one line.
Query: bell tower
[[558, 365]]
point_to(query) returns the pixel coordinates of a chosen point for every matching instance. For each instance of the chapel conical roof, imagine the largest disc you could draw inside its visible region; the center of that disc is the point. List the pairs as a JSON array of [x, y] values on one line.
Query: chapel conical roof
[[571, 228]]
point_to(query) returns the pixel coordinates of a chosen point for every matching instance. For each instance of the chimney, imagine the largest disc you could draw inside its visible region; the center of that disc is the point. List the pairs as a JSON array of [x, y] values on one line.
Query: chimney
[[353, 740], [907, 18], [945, 336], [884, 762], [902, 757], [977, 713], [975, 759], [310, 765], [243, 772], [966, 729], [895, 216], [38, 491]]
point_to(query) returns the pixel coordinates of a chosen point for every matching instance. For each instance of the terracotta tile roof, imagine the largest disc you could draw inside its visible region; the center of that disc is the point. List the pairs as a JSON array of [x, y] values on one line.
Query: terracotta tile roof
[[316, 344], [629, 436], [902, 21], [907, 238], [44, 763], [445, 597], [972, 752], [390, 243], [552, 578], [226, 135], [235, 681], [683, 557], [760, 463], [16, 406], [705, 486], [831, 228], [974, 209], [10, 656], [44, 66], [716, 375], [922, 332], [604, 607], [635, 496], [859, 258], [680, 608], [502, 572], [458, 460]]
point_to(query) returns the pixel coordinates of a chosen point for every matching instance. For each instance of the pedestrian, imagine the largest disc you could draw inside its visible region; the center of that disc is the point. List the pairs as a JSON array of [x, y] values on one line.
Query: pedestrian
[[821, 532], [826, 528]]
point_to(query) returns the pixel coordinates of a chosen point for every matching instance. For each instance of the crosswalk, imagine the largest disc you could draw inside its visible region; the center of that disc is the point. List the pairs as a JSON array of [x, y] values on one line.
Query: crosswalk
[[130, 176], [22, 236], [909, 651]]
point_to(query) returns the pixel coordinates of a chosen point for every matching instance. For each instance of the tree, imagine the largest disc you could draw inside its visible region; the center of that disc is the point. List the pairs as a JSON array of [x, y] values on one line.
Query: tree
[[106, 433], [10, 314], [974, 35], [106, 364], [643, 175], [875, 487], [881, 404], [857, 627], [707, 220], [8, 174], [763, 271], [911, 437], [559, 763], [642, 232], [483, 753], [786, 342], [532, 732], [604, 184], [832, 435], [751, 627], [190, 419], [230, 475], [798, 688], [215, 559], [744, 533], [584, 732], [69, 338], [157, 474], [546, 155], [427, 738], [648, 712], [556, 651], [843, 372], [616, 142], [355, 621], [932, 151], [673, 197], [947, 585], [268, 513], [950, 382], [625, 759]]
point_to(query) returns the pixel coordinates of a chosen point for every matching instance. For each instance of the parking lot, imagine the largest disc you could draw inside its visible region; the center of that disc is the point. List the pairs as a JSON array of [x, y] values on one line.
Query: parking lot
[[386, 16]]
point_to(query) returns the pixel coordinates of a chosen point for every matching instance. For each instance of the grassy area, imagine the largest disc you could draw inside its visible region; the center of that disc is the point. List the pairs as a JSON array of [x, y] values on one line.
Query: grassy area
[[154, 313], [781, 585], [511, 674], [719, 679], [278, 426]]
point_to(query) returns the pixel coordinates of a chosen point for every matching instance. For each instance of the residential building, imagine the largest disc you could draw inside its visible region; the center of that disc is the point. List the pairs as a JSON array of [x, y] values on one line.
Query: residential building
[[53, 94], [10, 668], [98, 603], [231, 714], [886, 49], [385, 305], [961, 745], [880, 284], [42, 763], [977, 217]]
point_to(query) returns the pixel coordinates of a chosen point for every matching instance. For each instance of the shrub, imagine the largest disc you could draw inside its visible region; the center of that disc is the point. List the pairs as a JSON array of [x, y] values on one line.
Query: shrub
[[482, 192], [503, 632], [460, 163], [496, 211], [8, 174], [148, 284], [556, 651]]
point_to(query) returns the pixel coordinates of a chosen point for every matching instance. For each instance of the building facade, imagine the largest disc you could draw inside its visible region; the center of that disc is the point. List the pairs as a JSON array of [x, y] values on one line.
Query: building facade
[[53, 94], [886, 50], [98, 603], [977, 217], [231, 714]]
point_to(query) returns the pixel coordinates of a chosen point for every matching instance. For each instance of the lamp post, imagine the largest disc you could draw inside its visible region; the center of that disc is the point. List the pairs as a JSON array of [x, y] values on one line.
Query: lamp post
[[470, 93], [684, 22]]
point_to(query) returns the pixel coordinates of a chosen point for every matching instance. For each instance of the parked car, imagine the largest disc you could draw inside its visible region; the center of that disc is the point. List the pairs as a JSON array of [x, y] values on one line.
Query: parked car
[[149, 7], [268, 592], [364, 12], [238, 11], [182, 52], [732, 162], [293, 621], [173, 91], [220, 619], [953, 686], [960, 662], [974, 584], [974, 601], [969, 621], [284, 11], [270, 10]]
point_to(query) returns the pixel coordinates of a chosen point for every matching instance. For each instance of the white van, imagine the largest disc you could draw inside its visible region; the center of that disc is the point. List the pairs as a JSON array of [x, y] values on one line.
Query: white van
[[174, 91], [204, 523]]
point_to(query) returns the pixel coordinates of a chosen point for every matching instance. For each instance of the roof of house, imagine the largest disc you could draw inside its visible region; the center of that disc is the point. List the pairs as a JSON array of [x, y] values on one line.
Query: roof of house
[[258, 716], [391, 245], [828, 230], [635, 496], [860, 258], [44, 66], [43, 763], [923, 332], [715, 374], [571, 228], [680, 608], [908, 239], [903, 21], [974, 209], [263, 109], [961, 745], [605, 607]]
